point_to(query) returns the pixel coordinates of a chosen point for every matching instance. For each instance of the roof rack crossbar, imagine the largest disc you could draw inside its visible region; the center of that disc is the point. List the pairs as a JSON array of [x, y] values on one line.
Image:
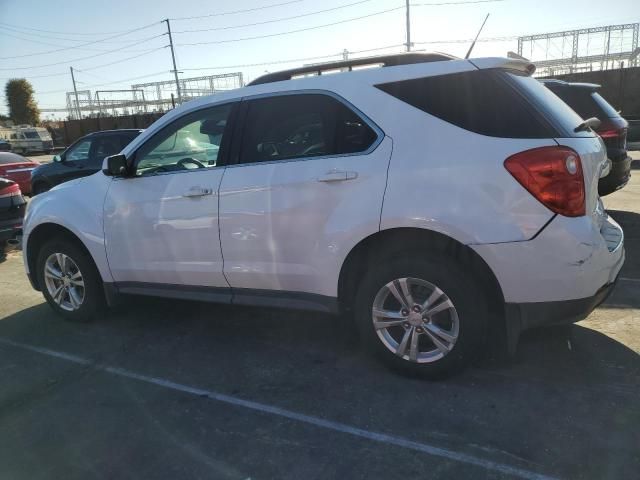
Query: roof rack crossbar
[[383, 60]]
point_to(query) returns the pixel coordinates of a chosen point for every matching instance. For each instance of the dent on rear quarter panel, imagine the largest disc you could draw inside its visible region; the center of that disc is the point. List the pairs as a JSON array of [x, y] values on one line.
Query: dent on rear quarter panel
[[448, 179], [77, 206]]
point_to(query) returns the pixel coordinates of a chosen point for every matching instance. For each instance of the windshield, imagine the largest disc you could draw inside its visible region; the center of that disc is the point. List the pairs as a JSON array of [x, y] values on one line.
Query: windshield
[[31, 134]]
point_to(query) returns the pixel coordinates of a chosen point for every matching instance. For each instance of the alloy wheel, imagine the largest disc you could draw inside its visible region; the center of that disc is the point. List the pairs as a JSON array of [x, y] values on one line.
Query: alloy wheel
[[415, 320], [64, 281]]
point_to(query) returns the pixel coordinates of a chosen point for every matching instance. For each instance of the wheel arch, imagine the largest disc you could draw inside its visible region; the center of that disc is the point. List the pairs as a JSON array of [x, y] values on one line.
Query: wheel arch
[[41, 235], [391, 241]]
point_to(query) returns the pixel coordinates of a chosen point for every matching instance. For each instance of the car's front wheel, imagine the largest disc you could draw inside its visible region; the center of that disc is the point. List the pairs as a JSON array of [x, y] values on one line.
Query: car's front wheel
[[69, 280], [421, 313]]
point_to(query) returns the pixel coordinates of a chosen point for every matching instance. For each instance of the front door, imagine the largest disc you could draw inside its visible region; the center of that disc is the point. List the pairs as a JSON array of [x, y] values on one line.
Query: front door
[[308, 182], [161, 223]]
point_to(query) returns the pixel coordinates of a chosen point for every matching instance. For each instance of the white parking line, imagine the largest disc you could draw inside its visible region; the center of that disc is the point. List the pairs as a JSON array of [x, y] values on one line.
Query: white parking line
[[299, 417], [627, 279]]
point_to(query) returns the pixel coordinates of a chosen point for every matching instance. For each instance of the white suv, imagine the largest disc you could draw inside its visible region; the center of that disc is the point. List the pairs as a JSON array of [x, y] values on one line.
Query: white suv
[[443, 201]]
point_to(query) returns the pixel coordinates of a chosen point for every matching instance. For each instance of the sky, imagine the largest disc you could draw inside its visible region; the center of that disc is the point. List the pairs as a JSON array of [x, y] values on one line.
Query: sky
[[120, 42]]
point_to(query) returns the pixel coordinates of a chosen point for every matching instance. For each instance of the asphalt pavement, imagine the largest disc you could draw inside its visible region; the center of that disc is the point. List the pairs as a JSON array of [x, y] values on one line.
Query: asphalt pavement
[[165, 389]]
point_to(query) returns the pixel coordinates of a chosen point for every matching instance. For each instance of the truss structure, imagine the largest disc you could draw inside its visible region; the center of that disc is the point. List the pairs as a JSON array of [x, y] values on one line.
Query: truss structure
[[586, 49], [145, 97]]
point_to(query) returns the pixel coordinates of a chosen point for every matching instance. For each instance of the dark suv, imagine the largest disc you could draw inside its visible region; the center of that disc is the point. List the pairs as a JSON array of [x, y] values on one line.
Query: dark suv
[[81, 159], [587, 102]]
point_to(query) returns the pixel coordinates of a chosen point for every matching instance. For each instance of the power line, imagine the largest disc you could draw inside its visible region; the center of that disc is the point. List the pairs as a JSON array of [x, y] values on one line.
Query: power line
[[59, 32], [217, 42], [41, 76], [83, 44], [67, 62], [233, 12], [291, 60], [114, 82], [15, 31], [64, 46], [466, 2], [468, 40], [124, 59], [275, 20]]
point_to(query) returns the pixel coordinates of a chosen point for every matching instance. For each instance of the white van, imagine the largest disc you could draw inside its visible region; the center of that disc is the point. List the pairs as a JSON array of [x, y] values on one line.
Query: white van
[[27, 139]]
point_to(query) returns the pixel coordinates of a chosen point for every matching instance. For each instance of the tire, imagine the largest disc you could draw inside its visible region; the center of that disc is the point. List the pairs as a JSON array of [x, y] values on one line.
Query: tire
[[39, 188], [88, 301], [422, 271]]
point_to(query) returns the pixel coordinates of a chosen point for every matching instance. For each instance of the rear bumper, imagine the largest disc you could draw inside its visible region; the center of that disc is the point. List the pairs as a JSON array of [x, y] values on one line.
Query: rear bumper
[[571, 259], [531, 315], [10, 230]]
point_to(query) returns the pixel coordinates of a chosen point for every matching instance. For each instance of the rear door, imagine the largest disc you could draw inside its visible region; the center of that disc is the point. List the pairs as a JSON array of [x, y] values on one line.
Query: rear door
[[309, 178]]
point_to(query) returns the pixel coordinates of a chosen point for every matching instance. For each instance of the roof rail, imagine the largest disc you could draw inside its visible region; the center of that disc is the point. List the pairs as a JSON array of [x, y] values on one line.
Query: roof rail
[[383, 60]]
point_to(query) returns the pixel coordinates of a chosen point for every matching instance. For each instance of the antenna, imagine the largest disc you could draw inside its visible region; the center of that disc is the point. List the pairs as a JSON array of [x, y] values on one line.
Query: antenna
[[477, 35]]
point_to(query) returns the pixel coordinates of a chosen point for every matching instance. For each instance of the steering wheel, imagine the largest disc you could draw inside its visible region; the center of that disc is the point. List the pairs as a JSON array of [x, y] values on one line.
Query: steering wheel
[[181, 163]]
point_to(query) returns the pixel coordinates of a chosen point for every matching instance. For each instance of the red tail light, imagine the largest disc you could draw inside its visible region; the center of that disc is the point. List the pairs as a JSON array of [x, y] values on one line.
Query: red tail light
[[612, 133], [10, 190], [553, 175]]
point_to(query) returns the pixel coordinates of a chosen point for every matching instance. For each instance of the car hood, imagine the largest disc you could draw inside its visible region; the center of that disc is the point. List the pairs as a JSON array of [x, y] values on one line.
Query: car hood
[[44, 168], [68, 184]]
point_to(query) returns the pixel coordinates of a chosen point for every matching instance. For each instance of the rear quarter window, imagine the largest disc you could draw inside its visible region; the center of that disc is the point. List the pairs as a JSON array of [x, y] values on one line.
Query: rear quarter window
[[494, 102], [481, 101]]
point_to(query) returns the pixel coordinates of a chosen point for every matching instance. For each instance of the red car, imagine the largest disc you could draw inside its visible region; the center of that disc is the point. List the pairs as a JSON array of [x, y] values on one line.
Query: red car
[[12, 208], [17, 168]]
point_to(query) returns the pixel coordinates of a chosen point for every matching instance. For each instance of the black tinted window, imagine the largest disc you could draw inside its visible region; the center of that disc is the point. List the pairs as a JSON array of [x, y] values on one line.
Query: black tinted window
[[481, 101], [126, 139], [585, 102], [105, 146], [294, 126]]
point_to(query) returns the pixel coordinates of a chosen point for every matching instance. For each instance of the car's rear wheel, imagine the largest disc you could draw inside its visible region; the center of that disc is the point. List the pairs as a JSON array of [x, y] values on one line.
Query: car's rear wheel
[[421, 314], [70, 281]]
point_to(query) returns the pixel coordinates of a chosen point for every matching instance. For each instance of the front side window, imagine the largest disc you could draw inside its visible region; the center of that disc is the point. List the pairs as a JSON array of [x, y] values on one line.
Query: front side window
[[79, 152], [299, 126], [191, 142]]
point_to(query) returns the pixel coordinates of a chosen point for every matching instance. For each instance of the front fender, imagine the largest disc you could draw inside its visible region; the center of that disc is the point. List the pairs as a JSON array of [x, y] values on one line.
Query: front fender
[[77, 206]]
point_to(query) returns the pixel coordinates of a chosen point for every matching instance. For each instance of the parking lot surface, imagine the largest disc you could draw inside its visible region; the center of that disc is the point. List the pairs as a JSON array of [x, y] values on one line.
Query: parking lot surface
[[167, 389]]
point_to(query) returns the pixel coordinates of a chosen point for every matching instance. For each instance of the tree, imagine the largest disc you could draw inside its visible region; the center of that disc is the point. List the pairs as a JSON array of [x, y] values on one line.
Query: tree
[[22, 106]]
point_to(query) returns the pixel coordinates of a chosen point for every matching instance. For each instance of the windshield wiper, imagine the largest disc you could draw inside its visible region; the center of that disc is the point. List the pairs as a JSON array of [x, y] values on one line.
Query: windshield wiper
[[592, 122]]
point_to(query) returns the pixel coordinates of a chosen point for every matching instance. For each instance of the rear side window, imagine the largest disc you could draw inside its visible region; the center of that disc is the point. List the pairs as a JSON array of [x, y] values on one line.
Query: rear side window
[[299, 126], [586, 102], [481, 101]]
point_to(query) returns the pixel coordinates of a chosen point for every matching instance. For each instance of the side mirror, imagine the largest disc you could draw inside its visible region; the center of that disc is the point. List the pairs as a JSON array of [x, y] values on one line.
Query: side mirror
[[115, 166], [57, 158]]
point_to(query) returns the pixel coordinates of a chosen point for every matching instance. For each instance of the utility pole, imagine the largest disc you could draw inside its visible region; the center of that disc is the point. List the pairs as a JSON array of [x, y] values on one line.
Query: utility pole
[[408, 26], [75, 91], [173, 57]]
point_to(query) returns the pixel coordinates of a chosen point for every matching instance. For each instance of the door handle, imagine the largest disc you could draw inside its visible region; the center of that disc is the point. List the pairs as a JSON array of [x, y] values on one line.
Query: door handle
[[337, 176], [198, 192]]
